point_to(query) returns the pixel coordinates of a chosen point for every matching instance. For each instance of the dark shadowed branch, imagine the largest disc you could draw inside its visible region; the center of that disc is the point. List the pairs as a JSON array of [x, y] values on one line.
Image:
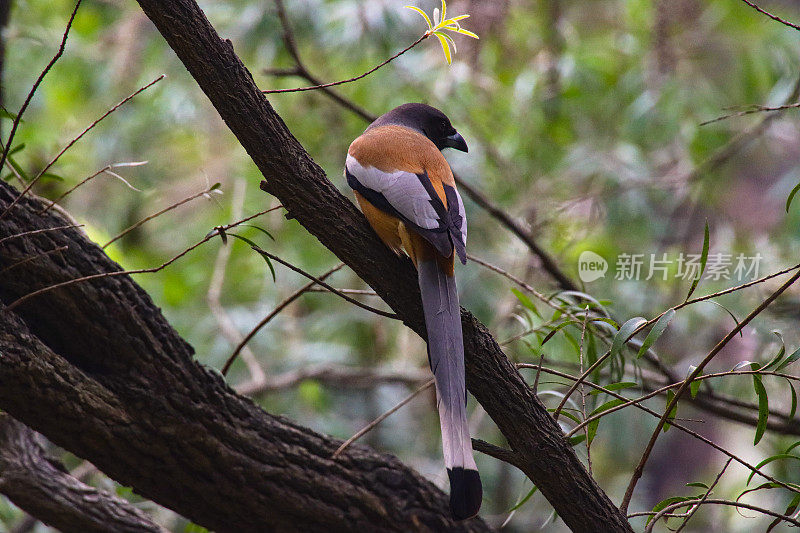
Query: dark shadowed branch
[[40, 485]]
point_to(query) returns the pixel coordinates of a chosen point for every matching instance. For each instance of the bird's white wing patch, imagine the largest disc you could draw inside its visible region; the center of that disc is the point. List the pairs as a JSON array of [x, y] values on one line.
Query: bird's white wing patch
[[463, 218], [401, 189]]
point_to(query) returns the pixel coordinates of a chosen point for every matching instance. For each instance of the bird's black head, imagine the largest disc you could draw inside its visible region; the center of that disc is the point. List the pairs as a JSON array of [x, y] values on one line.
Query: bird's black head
[[427, 120]]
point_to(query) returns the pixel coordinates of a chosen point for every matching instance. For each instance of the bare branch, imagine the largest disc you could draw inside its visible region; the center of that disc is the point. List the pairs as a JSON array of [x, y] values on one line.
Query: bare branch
[[369, 427], [770, 15], [146, 219], [278, 308], [328, 287], [337, 376]]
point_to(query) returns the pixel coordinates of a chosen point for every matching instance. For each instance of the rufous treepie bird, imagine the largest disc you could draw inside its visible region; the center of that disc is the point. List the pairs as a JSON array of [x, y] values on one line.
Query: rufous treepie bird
[[407, 192]]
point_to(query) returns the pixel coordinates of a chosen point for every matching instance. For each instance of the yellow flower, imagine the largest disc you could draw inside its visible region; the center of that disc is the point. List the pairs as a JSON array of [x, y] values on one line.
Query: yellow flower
[[438, 28]]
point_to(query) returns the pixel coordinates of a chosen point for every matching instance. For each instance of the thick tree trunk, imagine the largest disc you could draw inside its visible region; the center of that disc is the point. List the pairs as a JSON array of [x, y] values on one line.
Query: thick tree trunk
[[40, 486], [303, 189], [96, 368]]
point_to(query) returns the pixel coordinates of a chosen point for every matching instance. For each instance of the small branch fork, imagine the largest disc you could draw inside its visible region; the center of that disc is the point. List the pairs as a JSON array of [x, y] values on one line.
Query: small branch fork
[[288, 37]]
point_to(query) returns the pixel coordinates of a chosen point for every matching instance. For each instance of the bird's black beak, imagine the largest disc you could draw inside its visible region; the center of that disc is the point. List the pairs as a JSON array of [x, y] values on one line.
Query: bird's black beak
[[456, 141]]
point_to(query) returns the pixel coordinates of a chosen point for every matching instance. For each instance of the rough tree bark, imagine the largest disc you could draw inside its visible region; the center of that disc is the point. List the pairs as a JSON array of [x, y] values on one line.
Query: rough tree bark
[[303, 189], [41, 486], [96, 368]]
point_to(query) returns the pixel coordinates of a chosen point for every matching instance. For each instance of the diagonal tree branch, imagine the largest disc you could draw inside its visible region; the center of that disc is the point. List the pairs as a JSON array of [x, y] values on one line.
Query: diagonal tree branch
[[40, 486], [301, 185]]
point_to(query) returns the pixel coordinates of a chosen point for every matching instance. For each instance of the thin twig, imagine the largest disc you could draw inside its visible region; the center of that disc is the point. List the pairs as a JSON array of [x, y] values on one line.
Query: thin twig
[[146, 219], [547, 262], [380, 419], [704, 498], [637, 473], [85, 180], [321, 283], [33, 257], [359, 292], [213, 296], [755, 109], [205, 239], [38, 81], [338, 376], [74, 140], [302, 71], [364, 75], [583, 391], [770, 15], [687, 503], [35, 231], [278, 308]]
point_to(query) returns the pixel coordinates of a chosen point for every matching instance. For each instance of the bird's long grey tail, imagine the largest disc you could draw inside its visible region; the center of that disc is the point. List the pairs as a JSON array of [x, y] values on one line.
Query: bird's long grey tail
[[446, 357]]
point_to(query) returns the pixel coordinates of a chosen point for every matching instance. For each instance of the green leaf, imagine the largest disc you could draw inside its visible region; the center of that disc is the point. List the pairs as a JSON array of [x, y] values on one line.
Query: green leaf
[[616, 386], [566, 413], [557, 328], [657, 330], [694, 386], [789, 360], [763, 408], [729, 312], [523, 500], [606, 406], [791, 196], [793, 410], [703, 261], [666, 502], [194, 528], [591, 430], [624, 332], [780, 353], [576, 439], [769, 460], [445, 46], [742, 364], [16, 149], [697, 484], [267, 259], [524, 300], [262, 230], [792, 447], [18, 168], [424, 15]]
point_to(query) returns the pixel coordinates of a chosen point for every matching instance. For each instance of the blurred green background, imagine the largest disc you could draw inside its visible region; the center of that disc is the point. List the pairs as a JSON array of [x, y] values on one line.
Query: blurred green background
[[583, 122]]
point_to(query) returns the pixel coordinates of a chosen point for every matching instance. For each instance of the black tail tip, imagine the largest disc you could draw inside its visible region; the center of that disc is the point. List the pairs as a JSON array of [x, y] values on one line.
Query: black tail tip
[[465, 492]]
